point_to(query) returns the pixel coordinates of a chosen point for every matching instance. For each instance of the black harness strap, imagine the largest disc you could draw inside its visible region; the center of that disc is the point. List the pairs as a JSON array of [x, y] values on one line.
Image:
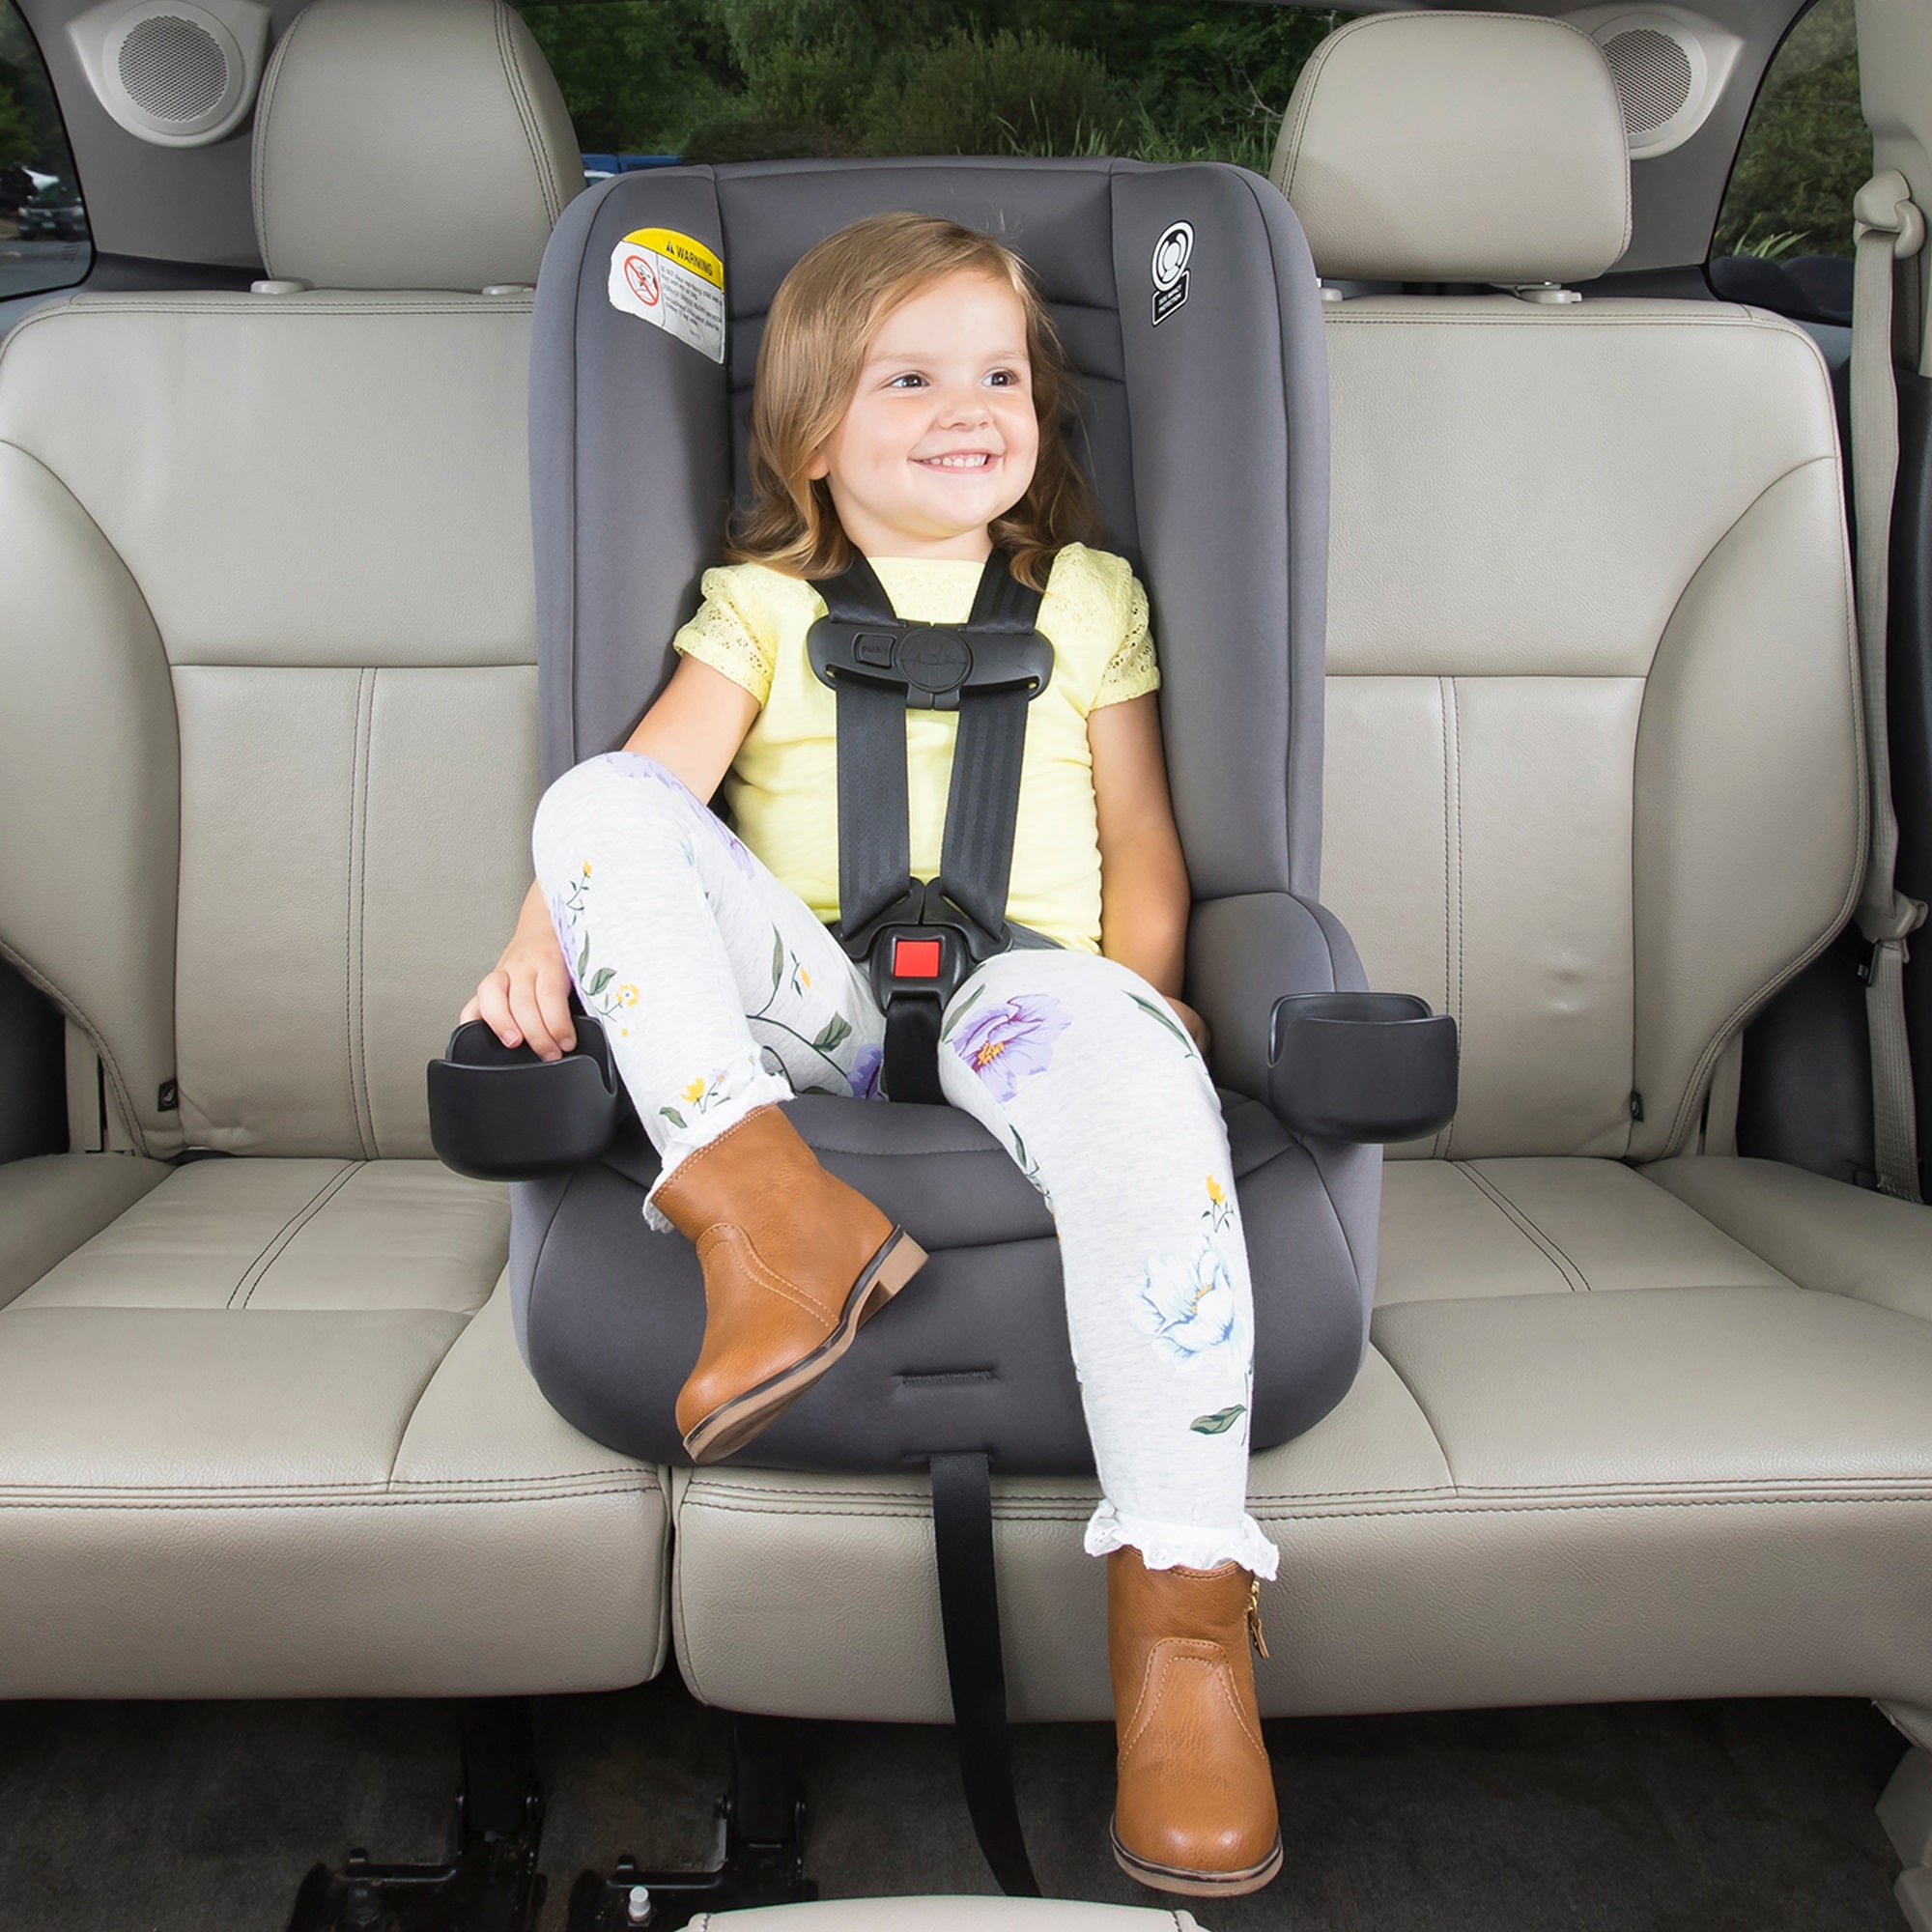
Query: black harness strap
[[874, 832], [875, 811], [969, 1607], [874, 692], [982, 800]]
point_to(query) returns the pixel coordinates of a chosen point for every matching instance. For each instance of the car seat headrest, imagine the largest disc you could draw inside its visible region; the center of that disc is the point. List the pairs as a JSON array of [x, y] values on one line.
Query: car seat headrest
[[1458, 148], [419, 146]]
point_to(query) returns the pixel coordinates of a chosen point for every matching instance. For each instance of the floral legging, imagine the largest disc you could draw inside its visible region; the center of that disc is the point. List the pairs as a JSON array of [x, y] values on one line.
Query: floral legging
[[720, 991]]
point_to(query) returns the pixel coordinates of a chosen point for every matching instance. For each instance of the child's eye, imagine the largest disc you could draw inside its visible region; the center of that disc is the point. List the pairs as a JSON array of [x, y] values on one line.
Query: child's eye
[[909, 381], [1006, 379]]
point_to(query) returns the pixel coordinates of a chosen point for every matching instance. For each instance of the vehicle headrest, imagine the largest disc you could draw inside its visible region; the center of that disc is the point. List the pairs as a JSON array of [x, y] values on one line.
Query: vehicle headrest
[[409, 144], [1458, 148]]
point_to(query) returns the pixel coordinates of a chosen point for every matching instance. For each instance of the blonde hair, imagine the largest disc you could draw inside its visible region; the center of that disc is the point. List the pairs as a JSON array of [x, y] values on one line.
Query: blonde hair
[[822, 324]]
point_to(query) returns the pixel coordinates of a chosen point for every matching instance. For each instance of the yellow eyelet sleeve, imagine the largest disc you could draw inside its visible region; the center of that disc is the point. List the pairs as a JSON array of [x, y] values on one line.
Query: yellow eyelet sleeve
[[1132, 670], [732, 632]]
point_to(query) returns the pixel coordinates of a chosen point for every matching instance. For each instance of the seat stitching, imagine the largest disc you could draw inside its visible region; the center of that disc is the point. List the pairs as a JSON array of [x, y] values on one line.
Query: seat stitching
[[352, 934], [296, 1499], [641, 1470], [257, 171], [1442, 1146], [1422, 1409], [1311, 75], [1451, 1502], [1692, 1094], [272, 1250], [45, 981], [1526, 316], [244, 305], [548, 186], [1749, 1248], [366, 729], [1572, 1273], [415, 1405], [1453, 731], [1811, 1489]]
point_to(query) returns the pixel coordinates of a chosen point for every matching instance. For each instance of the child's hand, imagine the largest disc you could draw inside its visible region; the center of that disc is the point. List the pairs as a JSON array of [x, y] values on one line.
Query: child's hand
[[527, 997], [1196, 1025]]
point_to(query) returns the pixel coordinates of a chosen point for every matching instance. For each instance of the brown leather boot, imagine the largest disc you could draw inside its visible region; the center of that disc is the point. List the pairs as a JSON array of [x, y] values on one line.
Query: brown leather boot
[[794, 1262], [1195, 1811]]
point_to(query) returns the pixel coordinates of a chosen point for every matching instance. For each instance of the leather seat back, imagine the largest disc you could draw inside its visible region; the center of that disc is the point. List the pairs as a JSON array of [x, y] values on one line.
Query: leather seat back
[[1593, 771], [267, 803]]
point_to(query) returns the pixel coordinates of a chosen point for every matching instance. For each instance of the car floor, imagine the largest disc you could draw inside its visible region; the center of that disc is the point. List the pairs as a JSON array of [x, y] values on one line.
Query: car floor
[[1639, 1818]]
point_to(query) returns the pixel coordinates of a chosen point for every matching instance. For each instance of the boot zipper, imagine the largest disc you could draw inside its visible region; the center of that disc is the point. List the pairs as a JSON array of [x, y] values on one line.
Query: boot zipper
[[1255, 1635]]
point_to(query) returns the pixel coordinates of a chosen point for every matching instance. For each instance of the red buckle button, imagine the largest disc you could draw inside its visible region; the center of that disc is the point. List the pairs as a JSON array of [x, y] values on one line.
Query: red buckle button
[[915, 958]]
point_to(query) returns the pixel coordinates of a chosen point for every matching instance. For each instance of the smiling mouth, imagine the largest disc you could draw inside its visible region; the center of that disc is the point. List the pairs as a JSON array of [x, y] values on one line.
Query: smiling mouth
[[966, 460]]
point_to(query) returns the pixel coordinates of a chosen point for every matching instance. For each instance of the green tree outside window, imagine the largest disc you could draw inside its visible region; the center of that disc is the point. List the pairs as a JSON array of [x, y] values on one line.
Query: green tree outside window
[[1805, 150], [743, 79]]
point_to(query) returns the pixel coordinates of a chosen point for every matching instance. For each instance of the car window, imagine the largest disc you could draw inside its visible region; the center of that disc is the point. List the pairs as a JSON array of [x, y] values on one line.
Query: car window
[[726, 80], [44, 236], [1783, 238]]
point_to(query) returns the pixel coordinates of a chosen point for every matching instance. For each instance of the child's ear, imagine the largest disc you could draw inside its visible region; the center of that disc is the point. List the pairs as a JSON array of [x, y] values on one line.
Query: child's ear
[[819, 467]]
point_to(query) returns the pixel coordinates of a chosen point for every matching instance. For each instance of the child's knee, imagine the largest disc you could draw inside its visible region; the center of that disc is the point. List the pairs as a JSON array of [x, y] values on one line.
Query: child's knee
[[621, 786]]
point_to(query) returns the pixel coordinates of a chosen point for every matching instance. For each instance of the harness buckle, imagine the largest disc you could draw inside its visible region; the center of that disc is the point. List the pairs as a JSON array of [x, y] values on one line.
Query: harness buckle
[[933, 663]]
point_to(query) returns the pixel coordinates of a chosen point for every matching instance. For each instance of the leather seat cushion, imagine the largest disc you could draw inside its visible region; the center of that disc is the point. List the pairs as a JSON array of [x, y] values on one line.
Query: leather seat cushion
[[1601, 1449], [267, 1433]]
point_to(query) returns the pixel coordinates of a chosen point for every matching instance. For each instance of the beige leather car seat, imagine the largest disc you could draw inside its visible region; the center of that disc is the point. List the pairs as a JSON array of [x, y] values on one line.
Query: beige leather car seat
[[1594, 779], [268, 764], [1640, 1419]]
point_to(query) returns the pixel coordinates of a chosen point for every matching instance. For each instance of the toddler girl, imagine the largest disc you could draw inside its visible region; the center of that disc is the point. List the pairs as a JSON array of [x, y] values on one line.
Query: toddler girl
[[907, 407]]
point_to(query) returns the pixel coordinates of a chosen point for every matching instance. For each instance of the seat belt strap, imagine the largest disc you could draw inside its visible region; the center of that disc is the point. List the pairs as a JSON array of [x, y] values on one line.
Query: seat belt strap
[[1889, 228], [969, 1608]]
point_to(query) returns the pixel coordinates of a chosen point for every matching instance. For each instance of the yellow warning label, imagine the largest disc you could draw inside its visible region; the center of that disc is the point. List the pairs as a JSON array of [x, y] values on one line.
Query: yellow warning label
[[693, 255], [676, 283]]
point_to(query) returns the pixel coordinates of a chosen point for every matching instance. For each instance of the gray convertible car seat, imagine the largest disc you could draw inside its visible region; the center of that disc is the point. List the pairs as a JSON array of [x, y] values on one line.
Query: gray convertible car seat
[[1201, 421]]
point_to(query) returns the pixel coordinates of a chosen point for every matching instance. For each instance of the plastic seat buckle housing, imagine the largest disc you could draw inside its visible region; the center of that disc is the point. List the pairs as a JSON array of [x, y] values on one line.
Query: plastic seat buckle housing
[[932, 663]]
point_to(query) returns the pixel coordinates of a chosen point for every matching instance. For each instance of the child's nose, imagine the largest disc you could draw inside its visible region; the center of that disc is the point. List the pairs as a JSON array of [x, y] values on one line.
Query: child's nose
[[966, 408]]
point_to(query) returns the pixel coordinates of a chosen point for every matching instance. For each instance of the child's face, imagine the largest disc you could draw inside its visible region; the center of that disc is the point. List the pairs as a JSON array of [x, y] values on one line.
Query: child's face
[[940, 435]]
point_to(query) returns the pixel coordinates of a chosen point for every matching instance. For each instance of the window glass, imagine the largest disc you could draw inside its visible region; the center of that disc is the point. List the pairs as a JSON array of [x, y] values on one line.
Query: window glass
[[43, 239], [1784, 233], [725, 80]]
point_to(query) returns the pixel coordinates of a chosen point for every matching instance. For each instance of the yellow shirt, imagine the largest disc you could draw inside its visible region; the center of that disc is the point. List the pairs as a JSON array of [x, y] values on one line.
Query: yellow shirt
[[783, 788]]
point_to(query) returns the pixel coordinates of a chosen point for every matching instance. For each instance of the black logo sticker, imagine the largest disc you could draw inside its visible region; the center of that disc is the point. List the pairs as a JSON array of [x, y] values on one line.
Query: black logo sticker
[[1171, 255]]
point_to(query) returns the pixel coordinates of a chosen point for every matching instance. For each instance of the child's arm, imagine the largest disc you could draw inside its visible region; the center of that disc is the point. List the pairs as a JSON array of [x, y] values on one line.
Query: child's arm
[[695, 728], [1144, 894]]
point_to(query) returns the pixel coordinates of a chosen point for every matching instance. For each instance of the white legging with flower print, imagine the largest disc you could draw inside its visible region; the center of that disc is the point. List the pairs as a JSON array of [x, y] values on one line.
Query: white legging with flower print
[[720, 991]]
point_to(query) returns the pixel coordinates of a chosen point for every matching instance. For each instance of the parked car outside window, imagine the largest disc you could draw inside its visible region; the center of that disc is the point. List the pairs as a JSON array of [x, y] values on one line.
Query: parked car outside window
[[43, 235]]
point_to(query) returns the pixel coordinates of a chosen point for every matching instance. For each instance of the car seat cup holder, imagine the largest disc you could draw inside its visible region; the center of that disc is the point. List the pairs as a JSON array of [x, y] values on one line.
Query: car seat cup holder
[[1361, 1067], [500, 1113]]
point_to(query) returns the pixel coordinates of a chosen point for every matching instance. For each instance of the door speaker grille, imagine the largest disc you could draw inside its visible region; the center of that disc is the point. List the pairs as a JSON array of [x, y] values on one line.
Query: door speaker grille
[[175, 70], [1653, 76]]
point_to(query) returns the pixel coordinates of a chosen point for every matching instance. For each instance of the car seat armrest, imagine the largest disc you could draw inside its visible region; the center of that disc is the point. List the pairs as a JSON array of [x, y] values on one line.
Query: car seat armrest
[[498, 1113], [1294, 1026]]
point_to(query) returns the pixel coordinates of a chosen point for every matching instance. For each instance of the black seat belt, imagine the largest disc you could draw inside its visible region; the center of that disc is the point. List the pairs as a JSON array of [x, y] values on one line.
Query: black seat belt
[[920, 937], [969, 1608]]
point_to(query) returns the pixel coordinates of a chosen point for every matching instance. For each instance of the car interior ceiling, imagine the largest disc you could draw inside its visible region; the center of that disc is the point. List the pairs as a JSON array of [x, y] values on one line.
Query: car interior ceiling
[[202, 1794]]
